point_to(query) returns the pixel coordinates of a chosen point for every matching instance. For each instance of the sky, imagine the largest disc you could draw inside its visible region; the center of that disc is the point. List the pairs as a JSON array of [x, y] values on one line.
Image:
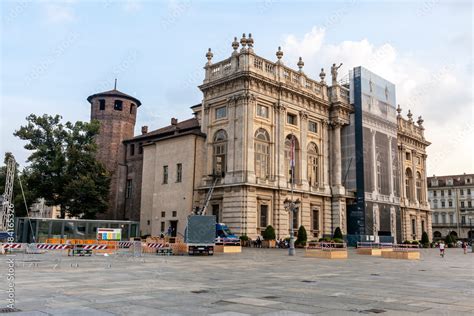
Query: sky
[[54, 54]]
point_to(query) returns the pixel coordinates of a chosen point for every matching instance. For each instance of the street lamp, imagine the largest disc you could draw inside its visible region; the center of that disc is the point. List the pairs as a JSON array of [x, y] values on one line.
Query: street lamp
[[291, 207]]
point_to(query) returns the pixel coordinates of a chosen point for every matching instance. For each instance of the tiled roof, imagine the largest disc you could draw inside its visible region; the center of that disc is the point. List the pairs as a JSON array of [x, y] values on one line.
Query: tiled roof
[[458, 180], [179, 128], [114, 93]]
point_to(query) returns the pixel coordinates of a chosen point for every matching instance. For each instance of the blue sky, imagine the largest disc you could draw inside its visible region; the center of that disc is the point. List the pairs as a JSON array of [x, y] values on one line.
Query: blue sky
[[56, 53]]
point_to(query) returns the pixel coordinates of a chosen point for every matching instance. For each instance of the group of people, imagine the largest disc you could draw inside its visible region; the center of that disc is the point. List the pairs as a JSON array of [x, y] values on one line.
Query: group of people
[[442, 247], [279, 243]]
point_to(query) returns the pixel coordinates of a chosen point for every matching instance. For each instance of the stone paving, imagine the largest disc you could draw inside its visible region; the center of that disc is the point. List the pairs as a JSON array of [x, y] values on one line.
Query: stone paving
[[255, 282]]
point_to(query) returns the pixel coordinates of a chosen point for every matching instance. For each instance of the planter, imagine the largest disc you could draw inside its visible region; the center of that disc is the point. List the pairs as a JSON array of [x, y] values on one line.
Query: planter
[[268, 243], [318, 253], [227, 249], [369, 251], [406, 255]]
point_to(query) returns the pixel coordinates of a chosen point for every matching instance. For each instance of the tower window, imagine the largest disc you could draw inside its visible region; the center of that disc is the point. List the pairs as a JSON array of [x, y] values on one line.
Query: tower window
[[132, 149], [131, 108], [118, 105], [140, 148], [102, 104], [221, 112]]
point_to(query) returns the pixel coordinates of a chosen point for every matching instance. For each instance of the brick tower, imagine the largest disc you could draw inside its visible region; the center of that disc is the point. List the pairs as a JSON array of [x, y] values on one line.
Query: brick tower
[[117, 113]]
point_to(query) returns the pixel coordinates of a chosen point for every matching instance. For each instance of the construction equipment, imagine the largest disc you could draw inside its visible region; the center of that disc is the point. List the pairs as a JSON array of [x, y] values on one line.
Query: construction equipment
[[7, 203], [200, 230]]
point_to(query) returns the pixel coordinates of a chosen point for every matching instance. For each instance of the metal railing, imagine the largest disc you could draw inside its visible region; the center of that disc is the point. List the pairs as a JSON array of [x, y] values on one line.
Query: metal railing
[[327, 246]]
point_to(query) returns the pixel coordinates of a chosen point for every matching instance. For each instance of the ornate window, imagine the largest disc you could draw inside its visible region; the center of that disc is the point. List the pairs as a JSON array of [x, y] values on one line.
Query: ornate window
[[408, 184], [262, 111], [418, 186], [221, 112], [220, 153], [313, 165], [262, 154], [291, 160]]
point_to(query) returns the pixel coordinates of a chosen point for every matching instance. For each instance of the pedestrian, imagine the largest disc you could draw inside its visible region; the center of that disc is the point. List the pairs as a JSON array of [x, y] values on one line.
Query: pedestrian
[[464, 247], [259, 242], [441, 249]]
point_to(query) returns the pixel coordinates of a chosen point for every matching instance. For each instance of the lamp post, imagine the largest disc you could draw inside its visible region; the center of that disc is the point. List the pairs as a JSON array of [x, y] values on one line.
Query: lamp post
[[291, 207]]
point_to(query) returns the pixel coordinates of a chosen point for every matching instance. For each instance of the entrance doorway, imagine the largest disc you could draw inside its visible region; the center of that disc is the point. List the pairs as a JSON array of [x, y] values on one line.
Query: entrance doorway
[[174, 228]]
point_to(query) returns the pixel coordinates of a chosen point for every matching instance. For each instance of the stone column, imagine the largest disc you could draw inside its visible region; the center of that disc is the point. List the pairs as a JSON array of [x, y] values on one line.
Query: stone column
[[231, 148], [282, 168], [390, 168], [424, 188], [374, 164], [401, 161], [413, 168], [250, 168], [336, 157], [325, 161], [303, 149]]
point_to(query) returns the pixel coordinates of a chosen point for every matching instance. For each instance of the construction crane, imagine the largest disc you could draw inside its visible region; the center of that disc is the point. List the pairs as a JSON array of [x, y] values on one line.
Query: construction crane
[[202, 211], [7, 203]]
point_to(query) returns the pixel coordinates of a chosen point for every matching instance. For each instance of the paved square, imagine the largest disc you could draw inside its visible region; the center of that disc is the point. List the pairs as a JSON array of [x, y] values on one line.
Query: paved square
[[255, 282]]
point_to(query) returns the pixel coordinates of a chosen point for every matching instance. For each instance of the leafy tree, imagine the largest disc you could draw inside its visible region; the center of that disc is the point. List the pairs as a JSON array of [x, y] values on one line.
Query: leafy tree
[[302, 236], [63, 168], [269, 233], [449, 240], [337, 233], [425, 241], [17, 196]]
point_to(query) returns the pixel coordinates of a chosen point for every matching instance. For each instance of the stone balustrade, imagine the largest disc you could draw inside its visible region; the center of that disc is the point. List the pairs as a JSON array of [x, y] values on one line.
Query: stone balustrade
[[275, 71]]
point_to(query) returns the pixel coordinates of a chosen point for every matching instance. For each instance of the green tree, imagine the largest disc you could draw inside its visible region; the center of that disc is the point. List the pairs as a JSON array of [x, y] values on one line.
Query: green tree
[[425, 241], [302, 236], [269, 233], [17, 196], [63, 168], [337, 233]]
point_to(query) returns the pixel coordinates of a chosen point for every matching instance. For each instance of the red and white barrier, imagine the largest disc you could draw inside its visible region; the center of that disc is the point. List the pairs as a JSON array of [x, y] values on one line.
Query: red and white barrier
[[156, 245], [12, 246], [52, 246], [125, 244], [95, 247]]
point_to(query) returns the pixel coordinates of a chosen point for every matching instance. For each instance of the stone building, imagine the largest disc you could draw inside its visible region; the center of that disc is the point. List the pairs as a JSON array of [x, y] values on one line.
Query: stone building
[[117, 113], [451, 199], [416, 214], [254, 112]]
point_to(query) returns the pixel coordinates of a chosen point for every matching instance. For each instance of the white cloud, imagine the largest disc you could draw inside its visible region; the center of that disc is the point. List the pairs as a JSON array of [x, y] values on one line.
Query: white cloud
[[441, 95], [59, 12]]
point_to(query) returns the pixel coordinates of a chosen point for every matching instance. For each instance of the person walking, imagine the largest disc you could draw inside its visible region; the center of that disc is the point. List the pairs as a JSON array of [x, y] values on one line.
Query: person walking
[[464, 247], [441, 249]]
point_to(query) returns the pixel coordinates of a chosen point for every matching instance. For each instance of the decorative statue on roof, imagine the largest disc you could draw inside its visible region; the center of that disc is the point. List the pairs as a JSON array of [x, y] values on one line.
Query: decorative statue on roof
[[334, 73]]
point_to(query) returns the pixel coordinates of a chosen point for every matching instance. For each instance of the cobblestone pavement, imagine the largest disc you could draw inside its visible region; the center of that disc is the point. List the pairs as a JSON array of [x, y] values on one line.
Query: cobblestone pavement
[[254, 282]]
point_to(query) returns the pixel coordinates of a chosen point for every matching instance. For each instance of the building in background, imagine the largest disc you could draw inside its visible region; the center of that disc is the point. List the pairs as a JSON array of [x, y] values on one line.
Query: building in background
[[415, 209], [451, 199], [350, 154]]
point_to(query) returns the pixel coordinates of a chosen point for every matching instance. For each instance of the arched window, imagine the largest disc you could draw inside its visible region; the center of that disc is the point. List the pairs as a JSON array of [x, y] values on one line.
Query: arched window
[[408, 183], [291, 158], [313, 165], [418, 186], [262, 154], [220, 153]]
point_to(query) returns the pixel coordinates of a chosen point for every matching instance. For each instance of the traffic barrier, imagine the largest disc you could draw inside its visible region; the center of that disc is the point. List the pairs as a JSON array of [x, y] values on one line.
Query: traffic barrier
[[125, 244], [156, 245], [12, 246], [51, 246], [95, 247]]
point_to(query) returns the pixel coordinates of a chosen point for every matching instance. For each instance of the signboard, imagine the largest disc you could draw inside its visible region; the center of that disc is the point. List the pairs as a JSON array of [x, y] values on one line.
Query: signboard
[[109, 234]]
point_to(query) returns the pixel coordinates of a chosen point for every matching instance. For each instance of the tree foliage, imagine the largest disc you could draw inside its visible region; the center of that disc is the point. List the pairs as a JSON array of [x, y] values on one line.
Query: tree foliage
[[302, 236], [63, 168], [337, 233], [425, 239], [269, 233]]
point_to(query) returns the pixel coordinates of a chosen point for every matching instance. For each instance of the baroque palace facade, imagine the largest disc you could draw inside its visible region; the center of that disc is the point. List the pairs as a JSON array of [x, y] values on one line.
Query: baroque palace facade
[[242, 131]]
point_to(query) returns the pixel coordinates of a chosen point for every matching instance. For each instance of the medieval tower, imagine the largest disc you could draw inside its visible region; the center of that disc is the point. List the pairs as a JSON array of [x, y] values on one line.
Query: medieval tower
[[117, 113]]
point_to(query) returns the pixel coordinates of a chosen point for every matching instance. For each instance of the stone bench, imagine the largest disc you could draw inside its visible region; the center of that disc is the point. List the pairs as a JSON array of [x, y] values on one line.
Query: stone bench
[[227, 249], [406, 255], [369, 251], [326, 254]]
